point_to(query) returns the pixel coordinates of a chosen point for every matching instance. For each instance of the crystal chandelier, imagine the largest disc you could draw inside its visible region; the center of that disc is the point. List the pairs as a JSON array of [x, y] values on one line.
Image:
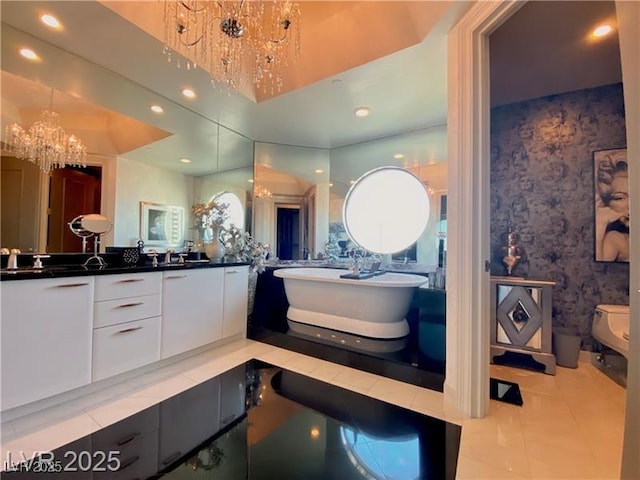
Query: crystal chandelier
[[234, 40], [260, 191], [46, 144]]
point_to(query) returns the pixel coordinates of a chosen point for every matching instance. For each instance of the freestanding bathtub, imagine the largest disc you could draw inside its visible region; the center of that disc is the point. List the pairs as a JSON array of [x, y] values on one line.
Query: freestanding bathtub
[[375, 307]]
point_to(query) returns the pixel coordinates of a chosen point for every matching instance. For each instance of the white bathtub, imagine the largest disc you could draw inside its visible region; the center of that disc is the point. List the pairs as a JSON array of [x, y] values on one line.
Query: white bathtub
[[375, 307]]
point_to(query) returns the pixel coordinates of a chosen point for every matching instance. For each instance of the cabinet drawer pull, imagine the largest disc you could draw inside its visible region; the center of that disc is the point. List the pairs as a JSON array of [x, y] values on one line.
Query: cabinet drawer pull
[[133, 304], [172, 458], [231, 271], [127, 330], [129, 280], [175, 276], [71, 285], [128, 462], [129, 439]]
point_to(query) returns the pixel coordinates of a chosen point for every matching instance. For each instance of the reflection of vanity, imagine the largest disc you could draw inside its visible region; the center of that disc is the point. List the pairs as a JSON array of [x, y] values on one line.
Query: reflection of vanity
[[521, 320]]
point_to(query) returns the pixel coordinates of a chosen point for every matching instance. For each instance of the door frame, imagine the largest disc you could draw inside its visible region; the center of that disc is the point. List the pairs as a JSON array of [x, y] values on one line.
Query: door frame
[[467, 370], [107, 200]]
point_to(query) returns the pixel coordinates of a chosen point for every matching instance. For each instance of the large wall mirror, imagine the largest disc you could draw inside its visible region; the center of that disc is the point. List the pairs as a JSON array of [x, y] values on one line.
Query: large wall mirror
[[135, 155], [423, 153], [291, 206]]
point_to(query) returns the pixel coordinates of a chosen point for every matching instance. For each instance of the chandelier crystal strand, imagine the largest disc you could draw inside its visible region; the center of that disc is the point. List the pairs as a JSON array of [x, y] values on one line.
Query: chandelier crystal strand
[[234, 40], [46, 144]]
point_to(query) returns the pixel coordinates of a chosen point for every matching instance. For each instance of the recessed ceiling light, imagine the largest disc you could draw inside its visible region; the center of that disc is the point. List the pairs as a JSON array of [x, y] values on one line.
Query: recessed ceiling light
[[28, 54], [50, 20], [398, 156], [361, 111], [157, 109], [331, 184], [250, 180], [185, 160], [318, 170], [602, 30], [187, 92]]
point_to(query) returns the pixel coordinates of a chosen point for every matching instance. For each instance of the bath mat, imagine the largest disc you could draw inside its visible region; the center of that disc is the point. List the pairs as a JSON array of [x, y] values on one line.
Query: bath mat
[[503, 391]]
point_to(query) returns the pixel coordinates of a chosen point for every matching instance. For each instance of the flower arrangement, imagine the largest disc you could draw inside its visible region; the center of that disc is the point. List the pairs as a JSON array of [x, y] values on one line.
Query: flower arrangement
[[212, 214], [243, 248], [332, 249]]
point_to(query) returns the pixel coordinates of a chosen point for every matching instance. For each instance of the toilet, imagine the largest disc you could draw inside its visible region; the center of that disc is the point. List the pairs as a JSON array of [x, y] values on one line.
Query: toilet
[[611, 327]]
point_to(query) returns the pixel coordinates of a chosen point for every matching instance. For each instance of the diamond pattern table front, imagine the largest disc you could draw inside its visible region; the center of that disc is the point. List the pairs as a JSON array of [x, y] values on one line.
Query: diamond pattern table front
[[521, 319]]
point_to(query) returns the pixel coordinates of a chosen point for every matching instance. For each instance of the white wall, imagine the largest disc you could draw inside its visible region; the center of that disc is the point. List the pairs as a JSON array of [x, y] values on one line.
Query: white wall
[[137, 182]]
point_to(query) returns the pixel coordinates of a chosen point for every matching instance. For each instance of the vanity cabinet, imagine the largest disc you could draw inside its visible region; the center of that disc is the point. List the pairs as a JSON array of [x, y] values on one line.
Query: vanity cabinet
[[236, 289], [191, 309], [46, 337], [126, 321]]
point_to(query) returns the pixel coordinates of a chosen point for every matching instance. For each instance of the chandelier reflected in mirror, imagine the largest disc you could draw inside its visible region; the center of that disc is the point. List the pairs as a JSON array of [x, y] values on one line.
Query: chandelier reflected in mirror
[[260, 191], [45, 143], [234, 41]]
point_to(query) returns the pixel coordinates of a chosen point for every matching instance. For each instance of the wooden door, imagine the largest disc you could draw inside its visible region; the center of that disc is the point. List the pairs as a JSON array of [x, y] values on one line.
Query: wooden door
[[20, 201], [72, 193]]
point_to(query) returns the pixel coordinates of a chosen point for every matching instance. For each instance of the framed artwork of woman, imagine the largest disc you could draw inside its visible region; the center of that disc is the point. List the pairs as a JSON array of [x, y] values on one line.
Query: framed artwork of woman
[[611, 205]]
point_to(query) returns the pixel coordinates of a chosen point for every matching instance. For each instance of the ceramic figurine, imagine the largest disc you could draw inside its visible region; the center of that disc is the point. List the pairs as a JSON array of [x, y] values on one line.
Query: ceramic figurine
[[513, 255]]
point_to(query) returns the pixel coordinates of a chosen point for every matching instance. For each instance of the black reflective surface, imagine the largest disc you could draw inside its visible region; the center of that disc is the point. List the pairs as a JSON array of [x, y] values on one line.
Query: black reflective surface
[[417, 358], [259, 422]]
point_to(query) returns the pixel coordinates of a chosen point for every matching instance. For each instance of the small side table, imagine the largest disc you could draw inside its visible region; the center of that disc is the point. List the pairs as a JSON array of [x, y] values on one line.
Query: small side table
[[521, 319]]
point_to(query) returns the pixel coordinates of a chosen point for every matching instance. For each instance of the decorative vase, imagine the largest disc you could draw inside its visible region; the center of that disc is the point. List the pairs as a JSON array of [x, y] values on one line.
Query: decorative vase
[[215, 248]]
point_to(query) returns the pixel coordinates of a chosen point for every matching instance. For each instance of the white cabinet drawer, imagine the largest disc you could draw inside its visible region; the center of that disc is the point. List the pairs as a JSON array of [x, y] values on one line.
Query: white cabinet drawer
[[112, 312], [126, 346], [109, 287]]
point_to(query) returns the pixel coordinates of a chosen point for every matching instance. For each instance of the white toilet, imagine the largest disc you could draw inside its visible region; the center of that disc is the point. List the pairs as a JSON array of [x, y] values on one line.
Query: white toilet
[[611, 327]]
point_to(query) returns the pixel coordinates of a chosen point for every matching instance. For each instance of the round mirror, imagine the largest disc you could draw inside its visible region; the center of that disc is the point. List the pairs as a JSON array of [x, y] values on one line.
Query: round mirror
[[91, 224], [235, 210], [386, 210]]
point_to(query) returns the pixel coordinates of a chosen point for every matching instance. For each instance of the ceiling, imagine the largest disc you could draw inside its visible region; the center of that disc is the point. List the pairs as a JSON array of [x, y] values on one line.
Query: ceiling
[[390, 56]]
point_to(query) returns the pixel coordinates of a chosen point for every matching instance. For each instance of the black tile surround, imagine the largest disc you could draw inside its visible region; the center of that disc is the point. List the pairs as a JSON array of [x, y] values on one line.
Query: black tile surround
[[261, 422], [419, 358]]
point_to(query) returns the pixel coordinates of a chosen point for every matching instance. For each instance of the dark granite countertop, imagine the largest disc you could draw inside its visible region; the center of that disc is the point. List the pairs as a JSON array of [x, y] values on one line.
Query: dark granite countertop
[[78, 270]]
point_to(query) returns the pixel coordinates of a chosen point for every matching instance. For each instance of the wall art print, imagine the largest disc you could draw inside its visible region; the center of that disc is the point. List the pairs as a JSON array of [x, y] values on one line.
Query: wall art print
[[161, 225], [611, 181]]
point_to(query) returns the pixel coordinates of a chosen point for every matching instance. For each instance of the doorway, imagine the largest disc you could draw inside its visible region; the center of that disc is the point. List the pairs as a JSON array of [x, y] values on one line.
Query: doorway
[[72, 192], [288, 232]]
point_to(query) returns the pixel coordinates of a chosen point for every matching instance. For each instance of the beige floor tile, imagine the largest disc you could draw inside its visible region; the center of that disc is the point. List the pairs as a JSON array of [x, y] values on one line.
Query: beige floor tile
[[355, 380], [503, 451], [49, 437], [472, 469], [553, 463], [326, 371], [115, 410], [164, 389]]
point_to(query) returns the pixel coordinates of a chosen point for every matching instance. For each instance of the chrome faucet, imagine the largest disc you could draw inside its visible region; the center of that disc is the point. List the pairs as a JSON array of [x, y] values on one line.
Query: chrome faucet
[[154, 256], [356, 259], [37, 262], [12, 263], [167, 256]]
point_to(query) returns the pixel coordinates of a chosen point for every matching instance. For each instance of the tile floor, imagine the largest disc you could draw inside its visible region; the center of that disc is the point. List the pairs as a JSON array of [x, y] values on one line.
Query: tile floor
[[570, 427]]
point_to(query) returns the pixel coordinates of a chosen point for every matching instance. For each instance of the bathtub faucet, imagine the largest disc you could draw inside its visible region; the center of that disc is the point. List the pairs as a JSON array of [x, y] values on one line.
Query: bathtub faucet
[[356, 261]]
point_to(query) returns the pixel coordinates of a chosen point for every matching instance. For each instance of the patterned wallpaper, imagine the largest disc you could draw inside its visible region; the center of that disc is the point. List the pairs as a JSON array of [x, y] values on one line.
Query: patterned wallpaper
[[542, 182]]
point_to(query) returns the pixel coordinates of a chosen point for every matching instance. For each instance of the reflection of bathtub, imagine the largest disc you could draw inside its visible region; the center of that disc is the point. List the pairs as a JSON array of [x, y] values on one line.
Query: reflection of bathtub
[[374, 307]]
